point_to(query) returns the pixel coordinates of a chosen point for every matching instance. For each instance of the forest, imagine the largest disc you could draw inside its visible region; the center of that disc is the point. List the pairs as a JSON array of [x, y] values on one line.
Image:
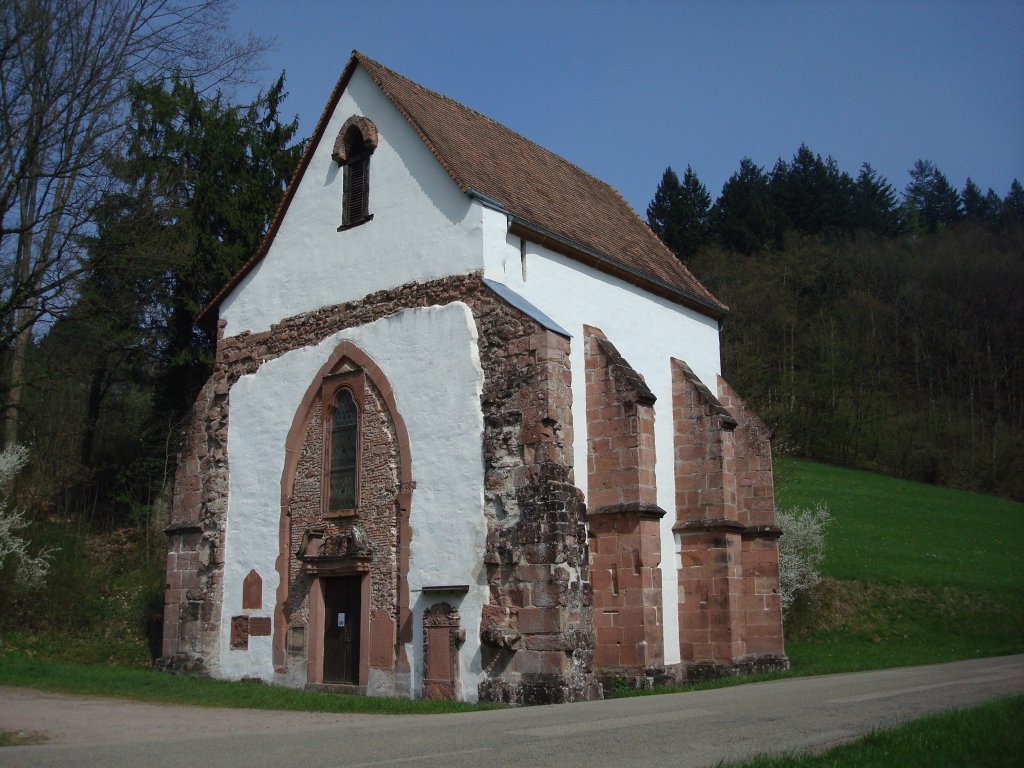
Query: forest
[[871, 326]]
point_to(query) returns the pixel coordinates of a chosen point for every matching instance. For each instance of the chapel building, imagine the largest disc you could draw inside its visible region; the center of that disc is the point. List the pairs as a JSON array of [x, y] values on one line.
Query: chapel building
[[466, 435]]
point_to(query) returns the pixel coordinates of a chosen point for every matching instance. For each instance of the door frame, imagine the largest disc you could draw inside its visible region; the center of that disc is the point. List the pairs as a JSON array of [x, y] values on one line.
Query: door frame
[[316, 627]]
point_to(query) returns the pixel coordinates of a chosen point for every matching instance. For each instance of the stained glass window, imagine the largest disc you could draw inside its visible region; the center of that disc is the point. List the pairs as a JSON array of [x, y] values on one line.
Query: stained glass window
[[344, 448]]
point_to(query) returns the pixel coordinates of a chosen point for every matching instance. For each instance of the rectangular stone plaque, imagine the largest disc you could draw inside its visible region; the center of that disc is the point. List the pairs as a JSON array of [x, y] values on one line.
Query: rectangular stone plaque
[[259, 626]]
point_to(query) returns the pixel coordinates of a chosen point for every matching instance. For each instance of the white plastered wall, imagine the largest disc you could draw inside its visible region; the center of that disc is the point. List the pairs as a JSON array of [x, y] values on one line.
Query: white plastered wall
[[423, 227], [430, 357], [646, 329]]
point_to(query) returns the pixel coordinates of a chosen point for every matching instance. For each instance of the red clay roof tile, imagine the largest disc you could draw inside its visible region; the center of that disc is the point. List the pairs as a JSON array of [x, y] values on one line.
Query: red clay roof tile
[[543, 191]]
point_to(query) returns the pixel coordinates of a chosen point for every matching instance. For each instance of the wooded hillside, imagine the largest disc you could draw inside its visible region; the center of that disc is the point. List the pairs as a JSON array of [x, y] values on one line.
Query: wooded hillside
[[869, 328]]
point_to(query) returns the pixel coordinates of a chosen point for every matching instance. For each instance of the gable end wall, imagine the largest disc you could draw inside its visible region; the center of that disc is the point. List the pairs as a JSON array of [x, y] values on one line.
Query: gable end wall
[[535, 542]]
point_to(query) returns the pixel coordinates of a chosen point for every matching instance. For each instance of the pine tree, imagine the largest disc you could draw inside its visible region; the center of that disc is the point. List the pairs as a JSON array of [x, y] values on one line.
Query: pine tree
[[975, 203], [744, 218], [875, 206], [932, 195], [678, 214], [662, 209], [1012, 209], [994, 204], [201, 179], [812, 194]]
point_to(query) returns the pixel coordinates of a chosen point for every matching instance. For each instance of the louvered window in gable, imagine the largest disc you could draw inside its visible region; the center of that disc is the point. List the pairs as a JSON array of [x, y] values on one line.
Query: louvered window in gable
[[352, 149]]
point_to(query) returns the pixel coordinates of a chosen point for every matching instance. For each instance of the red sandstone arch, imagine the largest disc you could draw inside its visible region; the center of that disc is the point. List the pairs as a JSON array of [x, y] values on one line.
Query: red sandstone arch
[[346, 351]]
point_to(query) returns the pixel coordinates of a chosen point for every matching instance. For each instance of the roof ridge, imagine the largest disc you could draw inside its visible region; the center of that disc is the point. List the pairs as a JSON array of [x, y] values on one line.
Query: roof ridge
[[589, 215], [363, 58]]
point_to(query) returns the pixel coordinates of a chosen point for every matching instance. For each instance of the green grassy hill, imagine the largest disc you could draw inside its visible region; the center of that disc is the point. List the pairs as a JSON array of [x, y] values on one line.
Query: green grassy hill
[[916, 573]]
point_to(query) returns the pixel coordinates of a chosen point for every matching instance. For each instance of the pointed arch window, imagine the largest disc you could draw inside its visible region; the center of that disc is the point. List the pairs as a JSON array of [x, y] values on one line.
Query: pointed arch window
[[352, 149], [344, 445], [343, 405]]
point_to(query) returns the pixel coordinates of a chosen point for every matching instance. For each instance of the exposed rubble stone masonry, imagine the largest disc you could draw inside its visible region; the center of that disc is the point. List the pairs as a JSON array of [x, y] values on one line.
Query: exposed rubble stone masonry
[[729, 608], [537, 631], [365, 543], [623, 517]]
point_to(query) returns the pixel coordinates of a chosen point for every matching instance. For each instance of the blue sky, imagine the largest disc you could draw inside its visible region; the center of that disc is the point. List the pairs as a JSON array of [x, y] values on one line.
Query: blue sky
[[624, 89]]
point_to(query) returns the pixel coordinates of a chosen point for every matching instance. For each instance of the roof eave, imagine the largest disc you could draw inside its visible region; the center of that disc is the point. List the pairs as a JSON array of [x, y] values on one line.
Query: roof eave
[[529, 230]]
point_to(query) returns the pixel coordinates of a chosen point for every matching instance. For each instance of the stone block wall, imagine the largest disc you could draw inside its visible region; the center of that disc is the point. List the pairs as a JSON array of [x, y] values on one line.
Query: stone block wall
[[537, 630], [729, 608], [620, 428], [623, 516], [755, 499], [709, 534], [192, 597]]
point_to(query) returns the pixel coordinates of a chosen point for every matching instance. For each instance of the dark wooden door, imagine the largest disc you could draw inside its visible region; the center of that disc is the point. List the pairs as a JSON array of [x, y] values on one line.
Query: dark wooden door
[[341, 632]]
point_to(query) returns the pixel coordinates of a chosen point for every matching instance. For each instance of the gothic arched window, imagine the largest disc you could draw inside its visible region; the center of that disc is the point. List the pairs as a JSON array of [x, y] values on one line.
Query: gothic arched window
[[344, 452]]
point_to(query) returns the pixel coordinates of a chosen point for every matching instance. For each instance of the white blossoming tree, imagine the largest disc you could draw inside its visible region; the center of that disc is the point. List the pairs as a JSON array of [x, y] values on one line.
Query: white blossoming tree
[[29, 570], [801, 549]]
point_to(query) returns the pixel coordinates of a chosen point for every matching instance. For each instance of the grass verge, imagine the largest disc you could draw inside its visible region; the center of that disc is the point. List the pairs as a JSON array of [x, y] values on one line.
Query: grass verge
[[989, 736], [915, 574], [144, 685]]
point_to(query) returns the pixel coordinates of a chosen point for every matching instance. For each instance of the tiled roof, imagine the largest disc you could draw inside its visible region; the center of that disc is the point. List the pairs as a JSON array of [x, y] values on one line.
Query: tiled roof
[[545, 194], [533, 183]]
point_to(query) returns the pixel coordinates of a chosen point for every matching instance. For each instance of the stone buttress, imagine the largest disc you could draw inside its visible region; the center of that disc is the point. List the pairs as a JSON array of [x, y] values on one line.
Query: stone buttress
[[730, 615]]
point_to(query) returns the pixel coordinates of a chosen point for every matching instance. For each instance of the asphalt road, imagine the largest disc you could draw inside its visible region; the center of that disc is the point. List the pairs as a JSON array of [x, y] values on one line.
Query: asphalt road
[[690, 729]]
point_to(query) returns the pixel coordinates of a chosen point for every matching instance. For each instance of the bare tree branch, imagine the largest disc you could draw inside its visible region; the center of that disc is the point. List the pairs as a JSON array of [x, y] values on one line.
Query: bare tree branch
[[66, 68]]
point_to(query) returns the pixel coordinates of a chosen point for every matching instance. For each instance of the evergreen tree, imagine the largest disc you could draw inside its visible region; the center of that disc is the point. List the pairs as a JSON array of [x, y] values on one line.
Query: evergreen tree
[[975, 203], [1012, 209], [661, 212], [812, 194], [875, 206], [932, 195], [678, 214], [994, 204], [201, 179], [744, 218]]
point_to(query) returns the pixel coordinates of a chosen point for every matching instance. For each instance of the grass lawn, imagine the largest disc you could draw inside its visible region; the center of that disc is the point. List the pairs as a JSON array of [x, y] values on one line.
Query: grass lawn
[[988, 736], [901, 532], [146, 685], [917, 574]]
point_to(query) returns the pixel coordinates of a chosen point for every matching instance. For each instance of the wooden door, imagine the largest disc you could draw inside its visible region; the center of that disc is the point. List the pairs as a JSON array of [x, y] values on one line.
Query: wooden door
[[341, 630]]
